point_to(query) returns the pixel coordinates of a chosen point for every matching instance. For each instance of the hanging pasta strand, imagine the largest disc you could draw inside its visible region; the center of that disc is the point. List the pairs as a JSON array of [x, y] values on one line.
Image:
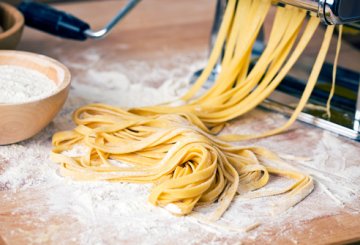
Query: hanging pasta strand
[[332, 90]]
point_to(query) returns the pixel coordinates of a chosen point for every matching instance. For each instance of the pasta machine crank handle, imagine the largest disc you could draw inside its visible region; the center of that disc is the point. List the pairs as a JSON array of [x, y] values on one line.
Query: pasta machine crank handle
[[59, 23]]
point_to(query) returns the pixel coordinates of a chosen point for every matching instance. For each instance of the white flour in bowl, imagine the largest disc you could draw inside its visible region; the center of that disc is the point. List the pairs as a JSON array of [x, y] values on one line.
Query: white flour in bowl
[[20, 84]]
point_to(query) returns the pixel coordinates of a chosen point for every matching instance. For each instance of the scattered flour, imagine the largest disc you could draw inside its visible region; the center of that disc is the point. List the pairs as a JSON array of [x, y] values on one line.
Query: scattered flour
[[20, 84], [109, 213]]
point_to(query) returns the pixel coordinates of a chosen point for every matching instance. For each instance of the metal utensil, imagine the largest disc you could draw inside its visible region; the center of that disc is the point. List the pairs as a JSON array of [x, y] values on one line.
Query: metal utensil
[[45, 18]]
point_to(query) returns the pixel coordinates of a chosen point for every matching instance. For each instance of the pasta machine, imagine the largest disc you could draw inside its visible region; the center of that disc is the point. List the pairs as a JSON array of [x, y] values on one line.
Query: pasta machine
[[345, 105]]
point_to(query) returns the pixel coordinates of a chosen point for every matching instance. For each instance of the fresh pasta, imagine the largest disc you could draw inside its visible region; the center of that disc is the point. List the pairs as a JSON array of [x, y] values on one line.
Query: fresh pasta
[[186, 165], [179, 149]]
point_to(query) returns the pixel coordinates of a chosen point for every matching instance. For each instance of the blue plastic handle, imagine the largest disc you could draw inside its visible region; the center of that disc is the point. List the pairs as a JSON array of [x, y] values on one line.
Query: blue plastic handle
[[47, 19]]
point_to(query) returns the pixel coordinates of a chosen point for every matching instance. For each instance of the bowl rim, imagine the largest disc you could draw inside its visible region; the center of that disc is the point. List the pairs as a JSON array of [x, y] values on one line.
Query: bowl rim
[[65, 83], [18, 18]]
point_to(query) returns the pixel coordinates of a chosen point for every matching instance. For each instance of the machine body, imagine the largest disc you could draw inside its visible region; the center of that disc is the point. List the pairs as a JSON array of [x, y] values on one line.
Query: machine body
[[345, 107]]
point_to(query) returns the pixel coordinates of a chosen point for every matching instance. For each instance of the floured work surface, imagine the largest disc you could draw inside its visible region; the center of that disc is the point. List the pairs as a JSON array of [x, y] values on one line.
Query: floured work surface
[[39, 206]]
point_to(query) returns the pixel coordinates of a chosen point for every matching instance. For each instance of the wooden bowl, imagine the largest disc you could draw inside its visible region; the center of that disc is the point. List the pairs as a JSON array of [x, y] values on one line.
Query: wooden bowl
[[21, 121], [12, 24]]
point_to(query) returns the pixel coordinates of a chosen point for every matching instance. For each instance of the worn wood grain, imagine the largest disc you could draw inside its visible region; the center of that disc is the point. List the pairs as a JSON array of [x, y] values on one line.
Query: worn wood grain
[[157, 29]]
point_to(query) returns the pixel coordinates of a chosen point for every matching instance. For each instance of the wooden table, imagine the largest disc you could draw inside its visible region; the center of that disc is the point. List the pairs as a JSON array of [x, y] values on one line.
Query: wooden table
[[155, 30]]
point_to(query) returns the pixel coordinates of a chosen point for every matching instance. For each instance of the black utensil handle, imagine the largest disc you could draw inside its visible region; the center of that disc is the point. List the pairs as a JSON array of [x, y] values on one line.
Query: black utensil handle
[[47, 19]]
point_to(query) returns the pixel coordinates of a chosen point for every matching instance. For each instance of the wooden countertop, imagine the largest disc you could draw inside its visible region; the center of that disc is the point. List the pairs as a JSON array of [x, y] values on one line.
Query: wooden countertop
[[155, 30]]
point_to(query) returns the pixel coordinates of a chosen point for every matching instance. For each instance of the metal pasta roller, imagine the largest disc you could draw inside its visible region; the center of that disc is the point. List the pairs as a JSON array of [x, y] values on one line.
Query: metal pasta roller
[[332, 12], [345, 105]]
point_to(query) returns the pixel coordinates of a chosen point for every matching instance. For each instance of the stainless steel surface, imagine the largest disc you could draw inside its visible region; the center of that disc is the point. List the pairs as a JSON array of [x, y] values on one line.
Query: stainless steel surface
[[313, 120], [323, 8], [327, 9], [120, 15], [310, 5], [326, 14], [219, 13]]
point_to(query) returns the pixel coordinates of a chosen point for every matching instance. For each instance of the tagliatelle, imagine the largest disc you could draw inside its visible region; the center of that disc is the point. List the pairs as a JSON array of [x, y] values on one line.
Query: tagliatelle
[[186, 165], [176, 148]]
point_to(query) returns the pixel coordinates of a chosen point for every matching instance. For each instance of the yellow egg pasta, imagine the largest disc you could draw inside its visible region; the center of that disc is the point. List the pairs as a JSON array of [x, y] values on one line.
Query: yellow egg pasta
[[178, 149]]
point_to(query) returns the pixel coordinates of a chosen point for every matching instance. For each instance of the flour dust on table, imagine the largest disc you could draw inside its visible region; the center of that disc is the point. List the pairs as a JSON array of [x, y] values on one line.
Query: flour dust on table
[[104, 213]]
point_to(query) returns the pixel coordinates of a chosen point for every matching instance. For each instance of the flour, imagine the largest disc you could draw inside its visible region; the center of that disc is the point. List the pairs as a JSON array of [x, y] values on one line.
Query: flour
[[115, 213], [19, 84]]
